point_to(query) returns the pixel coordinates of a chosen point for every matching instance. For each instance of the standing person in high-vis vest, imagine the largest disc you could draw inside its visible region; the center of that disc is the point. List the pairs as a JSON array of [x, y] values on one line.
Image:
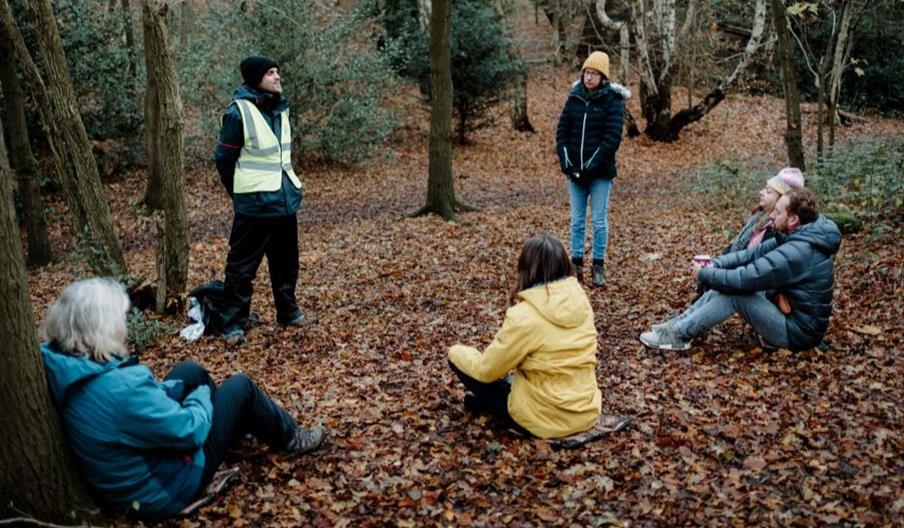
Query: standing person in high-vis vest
[[254, 159]]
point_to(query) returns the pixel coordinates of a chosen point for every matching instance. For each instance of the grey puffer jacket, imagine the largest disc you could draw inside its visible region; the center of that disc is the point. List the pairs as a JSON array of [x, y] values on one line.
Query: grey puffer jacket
[[799, 264]]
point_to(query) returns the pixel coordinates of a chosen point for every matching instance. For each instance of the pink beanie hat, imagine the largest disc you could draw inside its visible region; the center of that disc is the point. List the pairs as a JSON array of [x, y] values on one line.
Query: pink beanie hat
[[787, 179]]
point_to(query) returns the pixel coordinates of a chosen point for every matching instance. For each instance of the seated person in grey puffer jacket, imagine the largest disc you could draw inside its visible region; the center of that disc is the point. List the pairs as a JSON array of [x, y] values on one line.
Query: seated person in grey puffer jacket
[[797, 265]]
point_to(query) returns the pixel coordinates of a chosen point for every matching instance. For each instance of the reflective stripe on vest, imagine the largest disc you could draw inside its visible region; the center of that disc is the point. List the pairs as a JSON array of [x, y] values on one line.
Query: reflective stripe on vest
[[263, 158]]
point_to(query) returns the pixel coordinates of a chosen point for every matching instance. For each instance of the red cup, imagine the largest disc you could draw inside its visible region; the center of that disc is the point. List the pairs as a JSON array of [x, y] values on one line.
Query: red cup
[[702, 260]]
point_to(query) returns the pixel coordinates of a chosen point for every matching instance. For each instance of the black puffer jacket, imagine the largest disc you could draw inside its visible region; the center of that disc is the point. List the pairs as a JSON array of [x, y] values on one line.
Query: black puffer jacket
[[799, 265], [590, 131]]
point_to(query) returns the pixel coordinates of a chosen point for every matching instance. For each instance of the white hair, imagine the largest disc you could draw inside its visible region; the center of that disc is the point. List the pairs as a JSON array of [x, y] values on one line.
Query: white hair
[[89, 319]]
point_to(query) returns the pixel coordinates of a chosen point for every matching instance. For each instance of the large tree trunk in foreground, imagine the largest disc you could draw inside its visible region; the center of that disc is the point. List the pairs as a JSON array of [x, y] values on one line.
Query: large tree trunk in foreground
[[36, 478], [23, 160], [440, 186], [793, 135], [66, 135], [159, 56]]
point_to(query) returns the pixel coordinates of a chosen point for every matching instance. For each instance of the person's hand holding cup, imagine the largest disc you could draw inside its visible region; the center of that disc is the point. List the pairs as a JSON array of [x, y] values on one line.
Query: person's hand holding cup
[[699, 262]]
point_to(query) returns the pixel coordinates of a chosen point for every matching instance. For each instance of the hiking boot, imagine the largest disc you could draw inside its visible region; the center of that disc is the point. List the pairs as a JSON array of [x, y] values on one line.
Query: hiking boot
[[300, 320], [664, 339], [579, 274], [234, 337], [304, 440], [598, 275]]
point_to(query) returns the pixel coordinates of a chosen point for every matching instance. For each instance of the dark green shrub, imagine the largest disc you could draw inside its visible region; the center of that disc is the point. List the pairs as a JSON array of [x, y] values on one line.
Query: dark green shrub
[[106, 89], [142, 331], [481, 68], [332, 74], [863, 180]]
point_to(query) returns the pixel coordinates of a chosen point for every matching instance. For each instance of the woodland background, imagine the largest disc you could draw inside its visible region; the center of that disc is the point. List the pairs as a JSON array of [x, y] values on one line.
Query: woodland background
[[724, 434]]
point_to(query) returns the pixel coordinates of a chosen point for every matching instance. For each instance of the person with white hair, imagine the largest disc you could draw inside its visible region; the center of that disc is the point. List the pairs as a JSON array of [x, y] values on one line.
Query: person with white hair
[[147, 448]]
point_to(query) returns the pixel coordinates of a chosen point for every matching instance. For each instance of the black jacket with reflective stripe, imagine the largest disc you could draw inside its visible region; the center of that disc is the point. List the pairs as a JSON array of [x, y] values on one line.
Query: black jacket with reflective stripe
[[282, 202]]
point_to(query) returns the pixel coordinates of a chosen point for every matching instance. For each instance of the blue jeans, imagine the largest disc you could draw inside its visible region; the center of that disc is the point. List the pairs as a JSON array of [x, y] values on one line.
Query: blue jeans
[[714, 307], [598, 191]]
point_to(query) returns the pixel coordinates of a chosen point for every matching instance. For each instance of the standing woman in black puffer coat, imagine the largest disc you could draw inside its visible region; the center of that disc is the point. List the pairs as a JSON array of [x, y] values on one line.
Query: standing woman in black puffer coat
[[587, 137]]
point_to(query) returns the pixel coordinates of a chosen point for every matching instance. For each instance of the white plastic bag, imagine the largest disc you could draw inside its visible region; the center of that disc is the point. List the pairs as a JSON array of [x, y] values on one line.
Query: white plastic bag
[[195, 330]]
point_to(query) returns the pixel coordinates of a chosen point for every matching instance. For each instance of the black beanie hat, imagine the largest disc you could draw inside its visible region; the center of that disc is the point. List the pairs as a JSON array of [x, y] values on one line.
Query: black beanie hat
[[253, 69]]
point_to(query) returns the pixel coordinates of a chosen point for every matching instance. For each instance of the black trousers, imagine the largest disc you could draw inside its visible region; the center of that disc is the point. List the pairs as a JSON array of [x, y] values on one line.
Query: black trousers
[[250, 240], [239, 407], [492, 397]]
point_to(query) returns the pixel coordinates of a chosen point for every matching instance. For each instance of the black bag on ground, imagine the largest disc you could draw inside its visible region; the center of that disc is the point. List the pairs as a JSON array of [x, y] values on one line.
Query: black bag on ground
[[210, 296]]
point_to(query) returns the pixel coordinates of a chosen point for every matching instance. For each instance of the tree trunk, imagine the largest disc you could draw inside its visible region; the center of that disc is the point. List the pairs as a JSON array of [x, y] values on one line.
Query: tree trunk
[[36, 478], [66, 135], [153, 191], [624, 57], [130, 37], [160, 59], [821, 95], [440, 186], [657, 110], [553, 11], [520, 119], [793, 136], [841, 45], [518, 110], [23, 160], [186, 16]]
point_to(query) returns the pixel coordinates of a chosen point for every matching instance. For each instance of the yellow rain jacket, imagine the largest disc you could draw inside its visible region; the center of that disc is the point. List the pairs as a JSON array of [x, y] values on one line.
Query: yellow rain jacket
[[549, 340]]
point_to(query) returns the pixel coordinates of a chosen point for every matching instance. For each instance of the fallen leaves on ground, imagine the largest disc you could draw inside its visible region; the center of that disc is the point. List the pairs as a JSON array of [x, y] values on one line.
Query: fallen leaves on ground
[[724, 434]]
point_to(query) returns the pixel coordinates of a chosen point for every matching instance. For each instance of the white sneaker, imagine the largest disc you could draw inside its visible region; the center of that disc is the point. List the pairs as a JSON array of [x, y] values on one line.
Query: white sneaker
[[664, 340]]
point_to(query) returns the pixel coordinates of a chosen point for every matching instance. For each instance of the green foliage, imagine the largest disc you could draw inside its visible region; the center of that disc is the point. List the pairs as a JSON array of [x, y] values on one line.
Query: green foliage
[[481, 68], [106, 91], [871, 80], [862, 180], [331, 72], [87, 250], [142, 331]]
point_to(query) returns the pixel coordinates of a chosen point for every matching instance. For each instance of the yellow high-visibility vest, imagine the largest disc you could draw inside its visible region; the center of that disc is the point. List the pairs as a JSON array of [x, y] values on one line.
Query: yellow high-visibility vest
[[264, 157]]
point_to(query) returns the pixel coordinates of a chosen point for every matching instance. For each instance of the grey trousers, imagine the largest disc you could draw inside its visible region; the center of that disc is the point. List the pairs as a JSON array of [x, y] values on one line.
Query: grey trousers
[[714, 307]]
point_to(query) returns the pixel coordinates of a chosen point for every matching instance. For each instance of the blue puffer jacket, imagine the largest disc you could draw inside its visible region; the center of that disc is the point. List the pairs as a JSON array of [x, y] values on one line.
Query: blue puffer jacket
[[136, 445], [799, 264], [590, 131], [287, 199]]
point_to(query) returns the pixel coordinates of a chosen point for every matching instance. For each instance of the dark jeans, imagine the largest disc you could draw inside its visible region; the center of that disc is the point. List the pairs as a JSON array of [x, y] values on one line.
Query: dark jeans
[[250, 240], [491, 396], [239, 407]]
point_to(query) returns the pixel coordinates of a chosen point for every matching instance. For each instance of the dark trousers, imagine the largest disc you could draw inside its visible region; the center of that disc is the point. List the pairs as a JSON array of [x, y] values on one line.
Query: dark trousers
[[250, 240], [493, 397], [239, 408]]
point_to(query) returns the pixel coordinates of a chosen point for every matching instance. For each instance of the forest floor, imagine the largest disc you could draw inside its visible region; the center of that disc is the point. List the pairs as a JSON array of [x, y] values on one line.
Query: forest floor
[[725, 434]]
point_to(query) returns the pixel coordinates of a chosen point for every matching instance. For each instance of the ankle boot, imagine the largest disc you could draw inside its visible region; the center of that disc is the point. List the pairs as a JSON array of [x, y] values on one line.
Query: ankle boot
[[598, 274], [578, 263]]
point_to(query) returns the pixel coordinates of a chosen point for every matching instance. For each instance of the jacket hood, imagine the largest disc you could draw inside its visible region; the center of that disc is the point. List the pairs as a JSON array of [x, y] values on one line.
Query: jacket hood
[[611, 88], [257, 96], [562, 302], [821, 233], [65, 371]]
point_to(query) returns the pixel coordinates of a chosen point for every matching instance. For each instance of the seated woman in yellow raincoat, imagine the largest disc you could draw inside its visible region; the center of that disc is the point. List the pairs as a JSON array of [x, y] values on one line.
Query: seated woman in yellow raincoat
[[548, 343]]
